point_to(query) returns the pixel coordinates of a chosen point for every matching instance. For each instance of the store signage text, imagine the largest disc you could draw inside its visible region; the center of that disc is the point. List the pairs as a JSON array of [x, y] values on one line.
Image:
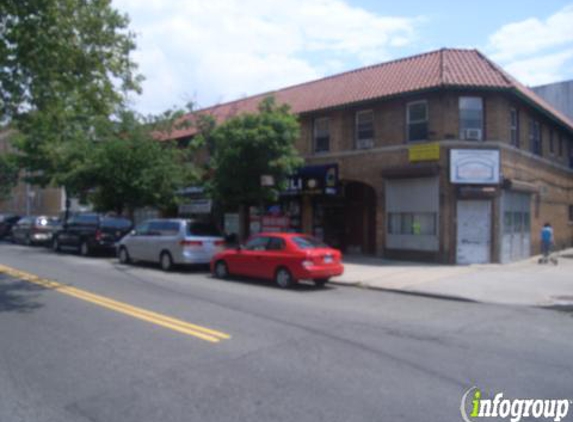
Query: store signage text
[[474, 166]]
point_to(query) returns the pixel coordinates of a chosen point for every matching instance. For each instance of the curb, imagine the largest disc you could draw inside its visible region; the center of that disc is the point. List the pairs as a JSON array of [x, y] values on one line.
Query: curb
[[367, 286]]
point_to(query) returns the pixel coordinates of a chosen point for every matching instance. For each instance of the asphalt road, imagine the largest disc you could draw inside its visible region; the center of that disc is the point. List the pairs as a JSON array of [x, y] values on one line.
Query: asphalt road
[[114, 343]]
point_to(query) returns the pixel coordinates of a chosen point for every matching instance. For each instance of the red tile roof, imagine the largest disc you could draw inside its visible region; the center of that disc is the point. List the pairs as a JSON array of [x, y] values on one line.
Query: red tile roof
[[444, 68]]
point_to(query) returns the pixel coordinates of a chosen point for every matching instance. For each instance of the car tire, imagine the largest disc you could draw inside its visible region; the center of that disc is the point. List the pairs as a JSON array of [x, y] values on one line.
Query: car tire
[[166, 261], [84, 249], [320, 282], [123, 256], [56, 245], [284, 278], [221, 270]]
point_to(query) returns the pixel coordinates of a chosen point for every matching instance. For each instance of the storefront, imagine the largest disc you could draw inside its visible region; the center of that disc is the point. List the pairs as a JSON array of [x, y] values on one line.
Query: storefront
[[476, 175]]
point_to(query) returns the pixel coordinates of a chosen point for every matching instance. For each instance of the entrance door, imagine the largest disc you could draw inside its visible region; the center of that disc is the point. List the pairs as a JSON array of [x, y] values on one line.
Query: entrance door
[[516, 226], [473, 232]]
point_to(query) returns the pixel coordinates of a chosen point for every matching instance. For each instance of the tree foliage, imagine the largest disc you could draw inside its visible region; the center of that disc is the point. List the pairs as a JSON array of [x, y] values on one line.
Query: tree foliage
[[249, 146], [63, 54], [8, 175], [65, 69], [129, 169]]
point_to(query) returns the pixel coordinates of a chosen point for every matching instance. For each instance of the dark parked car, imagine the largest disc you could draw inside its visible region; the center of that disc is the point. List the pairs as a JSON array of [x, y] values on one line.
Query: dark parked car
[[90, 232], [6, 223], [34, 230]]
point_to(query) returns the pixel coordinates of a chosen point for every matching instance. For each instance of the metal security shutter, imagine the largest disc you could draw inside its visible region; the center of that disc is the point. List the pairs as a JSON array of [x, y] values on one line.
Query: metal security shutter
[[515, 226], [419, 196]]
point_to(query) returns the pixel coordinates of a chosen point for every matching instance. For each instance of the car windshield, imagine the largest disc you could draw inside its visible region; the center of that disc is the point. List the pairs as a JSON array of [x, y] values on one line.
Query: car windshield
[[195, 228], [307, 242]]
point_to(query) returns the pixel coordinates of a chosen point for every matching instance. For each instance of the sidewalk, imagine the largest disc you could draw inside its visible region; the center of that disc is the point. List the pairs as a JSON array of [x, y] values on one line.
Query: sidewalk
[[520, 283]]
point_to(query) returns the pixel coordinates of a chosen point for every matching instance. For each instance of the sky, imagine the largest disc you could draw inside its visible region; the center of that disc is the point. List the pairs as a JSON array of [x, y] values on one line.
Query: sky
[[212, 51]]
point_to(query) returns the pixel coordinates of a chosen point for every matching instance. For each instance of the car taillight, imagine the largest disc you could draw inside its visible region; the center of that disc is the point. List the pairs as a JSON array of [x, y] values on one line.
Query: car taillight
[[191, 243], [98, 235]]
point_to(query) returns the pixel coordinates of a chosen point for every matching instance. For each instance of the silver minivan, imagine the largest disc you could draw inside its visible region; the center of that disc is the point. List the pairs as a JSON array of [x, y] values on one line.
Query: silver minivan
[[171, 242]]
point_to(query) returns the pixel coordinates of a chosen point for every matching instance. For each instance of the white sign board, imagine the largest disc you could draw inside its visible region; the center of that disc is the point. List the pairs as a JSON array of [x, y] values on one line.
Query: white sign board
[[474, 166]]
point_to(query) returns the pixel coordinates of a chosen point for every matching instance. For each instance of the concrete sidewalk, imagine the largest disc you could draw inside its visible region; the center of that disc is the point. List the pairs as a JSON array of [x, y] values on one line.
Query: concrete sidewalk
[[521, 283]]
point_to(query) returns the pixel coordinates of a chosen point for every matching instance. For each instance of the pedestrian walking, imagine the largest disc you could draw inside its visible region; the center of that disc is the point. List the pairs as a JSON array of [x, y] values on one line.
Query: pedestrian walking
[[547, 244]]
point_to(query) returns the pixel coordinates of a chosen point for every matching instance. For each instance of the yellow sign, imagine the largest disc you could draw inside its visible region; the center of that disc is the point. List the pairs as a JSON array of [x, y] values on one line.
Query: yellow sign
[[424, 152]]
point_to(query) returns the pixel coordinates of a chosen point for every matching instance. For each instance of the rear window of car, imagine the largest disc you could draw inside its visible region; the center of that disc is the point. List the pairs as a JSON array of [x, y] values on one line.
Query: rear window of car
[[86, 219], [46, 221], [116, 223], [195, 228], [164, 228], [307, 242]]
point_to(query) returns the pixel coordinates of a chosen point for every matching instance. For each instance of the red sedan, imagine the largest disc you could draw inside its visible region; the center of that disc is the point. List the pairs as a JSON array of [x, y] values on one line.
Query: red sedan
[[282, 257]]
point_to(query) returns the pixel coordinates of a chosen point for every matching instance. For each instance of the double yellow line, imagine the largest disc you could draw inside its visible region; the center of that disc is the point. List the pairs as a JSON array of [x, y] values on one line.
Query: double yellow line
[[174, 324]]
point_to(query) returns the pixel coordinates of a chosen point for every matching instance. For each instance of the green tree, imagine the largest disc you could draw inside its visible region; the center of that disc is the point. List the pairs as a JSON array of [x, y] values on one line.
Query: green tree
[[63, 54], [129, 169], [65, 68], [8, 176], [249, 146]]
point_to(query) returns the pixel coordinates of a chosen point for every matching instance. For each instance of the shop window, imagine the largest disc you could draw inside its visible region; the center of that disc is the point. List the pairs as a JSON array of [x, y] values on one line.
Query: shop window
[[364, 129], [321, 135], [514, 127], [417, 119], [423, 224], [471, 118], [535, 137]]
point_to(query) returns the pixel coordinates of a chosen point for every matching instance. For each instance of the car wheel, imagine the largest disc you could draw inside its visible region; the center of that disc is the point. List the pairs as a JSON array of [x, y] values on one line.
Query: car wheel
[[123, 256], [84, 249], [320, 282], [56, 245], [284, 279], [221, 270], [166, 262]]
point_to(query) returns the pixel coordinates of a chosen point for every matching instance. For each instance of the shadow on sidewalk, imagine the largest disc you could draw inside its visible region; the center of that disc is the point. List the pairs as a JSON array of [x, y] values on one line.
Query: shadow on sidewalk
[[384, 262]]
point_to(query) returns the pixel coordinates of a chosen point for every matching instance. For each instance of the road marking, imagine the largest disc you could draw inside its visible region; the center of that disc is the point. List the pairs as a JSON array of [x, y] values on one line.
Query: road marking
[[174, 324]]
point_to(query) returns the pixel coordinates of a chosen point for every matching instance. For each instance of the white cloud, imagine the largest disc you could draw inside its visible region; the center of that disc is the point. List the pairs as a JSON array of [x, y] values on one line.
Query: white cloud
[[218, 50], [536, 51], [541, 70]]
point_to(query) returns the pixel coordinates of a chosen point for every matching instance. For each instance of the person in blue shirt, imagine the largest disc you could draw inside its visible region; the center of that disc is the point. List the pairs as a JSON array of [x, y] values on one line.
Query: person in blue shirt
[[546, 239]]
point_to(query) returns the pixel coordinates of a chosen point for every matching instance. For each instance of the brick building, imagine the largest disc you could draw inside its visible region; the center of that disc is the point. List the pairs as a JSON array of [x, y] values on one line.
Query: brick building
[[441, 156]]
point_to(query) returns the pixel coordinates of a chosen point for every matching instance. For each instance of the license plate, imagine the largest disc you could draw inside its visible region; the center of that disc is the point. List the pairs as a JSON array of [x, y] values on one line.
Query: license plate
[[328, 259]]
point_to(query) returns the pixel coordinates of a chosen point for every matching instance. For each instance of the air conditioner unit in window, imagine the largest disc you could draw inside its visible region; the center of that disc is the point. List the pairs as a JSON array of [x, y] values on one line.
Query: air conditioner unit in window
[[364, 143], [472, 134]]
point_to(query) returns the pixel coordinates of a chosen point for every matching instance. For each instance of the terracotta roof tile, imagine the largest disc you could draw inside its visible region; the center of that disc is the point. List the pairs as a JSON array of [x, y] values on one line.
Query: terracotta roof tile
[[441, 68]]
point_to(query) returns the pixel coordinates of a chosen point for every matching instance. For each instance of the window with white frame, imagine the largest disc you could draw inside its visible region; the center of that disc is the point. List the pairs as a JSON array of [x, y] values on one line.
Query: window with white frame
[[364, 129], [322, 134], [514, 126], [417, 120], [471, 118]]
